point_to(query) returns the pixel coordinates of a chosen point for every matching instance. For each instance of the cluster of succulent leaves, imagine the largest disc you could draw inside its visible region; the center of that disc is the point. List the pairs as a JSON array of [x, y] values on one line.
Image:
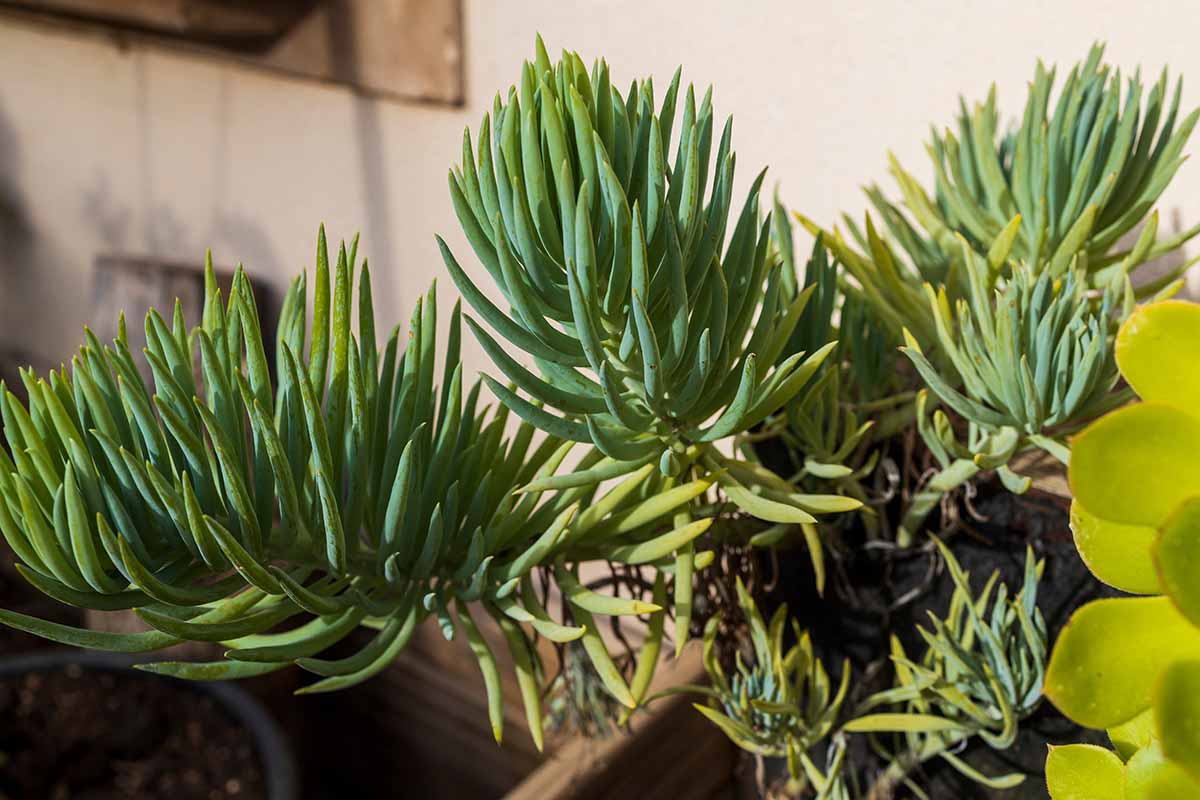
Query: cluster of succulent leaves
[[1033, 366], [1064, 187], [981, 674], [657, 318], [1131, 665], [353, 491], [779, 703], [1081, 177], [1004, 284]]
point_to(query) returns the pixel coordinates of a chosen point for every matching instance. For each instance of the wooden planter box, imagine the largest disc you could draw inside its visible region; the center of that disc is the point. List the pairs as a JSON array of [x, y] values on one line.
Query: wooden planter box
[[422, 723], [672, 753], [426, 728]]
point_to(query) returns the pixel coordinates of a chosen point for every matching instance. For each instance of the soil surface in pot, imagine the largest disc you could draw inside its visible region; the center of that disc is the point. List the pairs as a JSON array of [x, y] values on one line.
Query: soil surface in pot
[[103, 735], [875, 592]]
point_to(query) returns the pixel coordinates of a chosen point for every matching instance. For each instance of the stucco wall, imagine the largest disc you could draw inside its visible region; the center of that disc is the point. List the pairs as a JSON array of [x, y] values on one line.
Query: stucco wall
[[146, 151]]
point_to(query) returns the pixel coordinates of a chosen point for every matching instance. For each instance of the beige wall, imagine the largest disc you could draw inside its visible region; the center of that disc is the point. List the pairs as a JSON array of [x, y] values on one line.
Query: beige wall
[[150, 152]]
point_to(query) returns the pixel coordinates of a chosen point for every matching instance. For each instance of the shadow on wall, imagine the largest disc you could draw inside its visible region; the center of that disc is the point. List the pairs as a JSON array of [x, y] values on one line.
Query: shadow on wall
[[139, 266], [16, 250]]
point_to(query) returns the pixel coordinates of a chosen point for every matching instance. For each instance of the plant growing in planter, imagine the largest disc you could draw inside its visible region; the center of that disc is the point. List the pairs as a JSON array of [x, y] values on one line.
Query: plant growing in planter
[[1008, 315], [376, 500], [653, 338], [1032, 367], [1009, 213], [780, 704], [1129, 665], [981, 675], [666, 341]]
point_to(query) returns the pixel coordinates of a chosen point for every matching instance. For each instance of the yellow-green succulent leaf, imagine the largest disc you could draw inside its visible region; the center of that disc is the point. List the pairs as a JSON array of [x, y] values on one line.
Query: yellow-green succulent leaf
[[1084, 772], [1158, 349], [1109, 655], [1118, 554]]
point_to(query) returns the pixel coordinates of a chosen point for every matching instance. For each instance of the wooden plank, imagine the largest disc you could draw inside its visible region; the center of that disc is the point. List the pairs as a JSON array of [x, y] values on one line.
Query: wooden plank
[[217, 21], [400, 49], [647, 761], [423, 722]]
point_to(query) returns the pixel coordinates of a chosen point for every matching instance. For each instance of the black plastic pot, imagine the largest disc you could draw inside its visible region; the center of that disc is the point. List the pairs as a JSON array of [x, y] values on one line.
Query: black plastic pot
[[276, 757]]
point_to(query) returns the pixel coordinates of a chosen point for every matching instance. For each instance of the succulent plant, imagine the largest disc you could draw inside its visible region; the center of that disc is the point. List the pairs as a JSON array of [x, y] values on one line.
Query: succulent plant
[[1059, 193], [1132, 664], [1034, 360], [981, 674], [1080, 176], [352, 491], [781, 702], [825, 430], [1034, 216], [654, 318], [1035, 357]]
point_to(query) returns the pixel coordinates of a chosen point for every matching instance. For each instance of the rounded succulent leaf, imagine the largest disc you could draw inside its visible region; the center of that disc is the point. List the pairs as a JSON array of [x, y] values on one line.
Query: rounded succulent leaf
[[1119, 555], [1084, 772], [1177, 708], [1158, 349], [1104, 666], [1177, 555], [1137, 464], [1150, 776]]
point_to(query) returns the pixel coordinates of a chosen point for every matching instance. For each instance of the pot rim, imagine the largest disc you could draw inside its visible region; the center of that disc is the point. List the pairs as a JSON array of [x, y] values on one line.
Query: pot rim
[[279, 762]]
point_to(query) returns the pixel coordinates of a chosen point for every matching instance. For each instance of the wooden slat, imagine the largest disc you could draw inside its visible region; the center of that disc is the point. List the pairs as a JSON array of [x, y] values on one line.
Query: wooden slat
[[403, 49], [673, 752], [423, 724], [218, 20]]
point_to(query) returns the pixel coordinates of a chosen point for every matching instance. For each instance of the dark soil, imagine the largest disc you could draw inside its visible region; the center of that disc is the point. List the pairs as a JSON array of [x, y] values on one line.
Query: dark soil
[[90, 734]]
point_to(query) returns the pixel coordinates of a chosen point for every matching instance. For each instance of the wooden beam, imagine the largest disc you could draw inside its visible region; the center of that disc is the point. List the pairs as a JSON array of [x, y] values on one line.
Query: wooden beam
[[400, 49], [671, 753], [216, 21]]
